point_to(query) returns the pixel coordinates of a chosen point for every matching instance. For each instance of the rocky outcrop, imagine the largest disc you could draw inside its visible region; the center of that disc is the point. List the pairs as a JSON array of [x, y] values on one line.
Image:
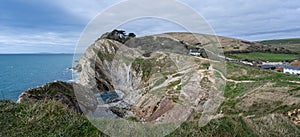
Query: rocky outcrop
[[82, 101], [96, 63], [151, 78], [158, 78], [294, 116], [57, 91]]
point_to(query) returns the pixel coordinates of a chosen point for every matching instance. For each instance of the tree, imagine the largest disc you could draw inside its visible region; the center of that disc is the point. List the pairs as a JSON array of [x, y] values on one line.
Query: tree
[[118, 35]]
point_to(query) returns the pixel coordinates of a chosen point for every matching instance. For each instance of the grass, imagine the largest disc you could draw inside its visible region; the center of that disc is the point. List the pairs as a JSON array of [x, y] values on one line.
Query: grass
[[143, 65], [132, 118], [179, 87], [266, 56], [233, 90], [173, 84], [54, 119], [223, 127], [140, 60], [43, 119], [274, 125], [238, 72], [53, 88]]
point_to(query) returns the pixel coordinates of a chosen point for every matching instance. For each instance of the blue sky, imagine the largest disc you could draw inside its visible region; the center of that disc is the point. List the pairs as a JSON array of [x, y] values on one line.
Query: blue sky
[[34, 26]]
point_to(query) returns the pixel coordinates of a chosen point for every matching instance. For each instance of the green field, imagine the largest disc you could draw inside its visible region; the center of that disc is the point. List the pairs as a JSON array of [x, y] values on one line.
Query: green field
[[266, 56]]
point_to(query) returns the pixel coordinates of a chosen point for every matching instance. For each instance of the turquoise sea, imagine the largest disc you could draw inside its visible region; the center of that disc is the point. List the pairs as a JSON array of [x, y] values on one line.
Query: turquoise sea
[[20, 72]]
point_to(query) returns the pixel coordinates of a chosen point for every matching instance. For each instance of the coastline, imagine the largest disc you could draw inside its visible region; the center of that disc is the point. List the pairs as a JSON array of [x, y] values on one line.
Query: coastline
[[21, 72]]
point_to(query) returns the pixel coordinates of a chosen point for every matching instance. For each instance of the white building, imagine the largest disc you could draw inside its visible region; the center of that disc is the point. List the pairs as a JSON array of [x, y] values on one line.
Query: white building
[[194, 52], [295, 70], [247, 63], [272, 63]]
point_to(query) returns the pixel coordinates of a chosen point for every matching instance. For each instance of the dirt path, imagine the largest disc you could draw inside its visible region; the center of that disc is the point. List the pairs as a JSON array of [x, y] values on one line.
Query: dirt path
[[298, 82], [230, 80]]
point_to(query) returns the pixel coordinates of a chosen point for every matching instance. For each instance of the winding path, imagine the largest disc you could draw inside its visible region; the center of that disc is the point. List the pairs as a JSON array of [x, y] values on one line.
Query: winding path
[[230, 80]]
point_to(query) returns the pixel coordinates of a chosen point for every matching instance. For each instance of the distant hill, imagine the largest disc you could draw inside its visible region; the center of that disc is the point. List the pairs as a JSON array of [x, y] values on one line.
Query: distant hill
[[282, 41], [228, 45], [292, 44]]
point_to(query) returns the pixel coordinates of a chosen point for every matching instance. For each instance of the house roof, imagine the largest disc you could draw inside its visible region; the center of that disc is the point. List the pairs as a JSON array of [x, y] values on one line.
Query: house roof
[[292, 67], [268, 66], [281, 66]]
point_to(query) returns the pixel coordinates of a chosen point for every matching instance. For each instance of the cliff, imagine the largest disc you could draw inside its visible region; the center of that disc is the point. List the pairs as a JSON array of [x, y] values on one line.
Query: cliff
[[155, 76], [152, 79], [55, 91]]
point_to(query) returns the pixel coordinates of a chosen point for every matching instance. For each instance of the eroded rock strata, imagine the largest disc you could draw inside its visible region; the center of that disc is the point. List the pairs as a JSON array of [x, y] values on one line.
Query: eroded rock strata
[[155, 76]]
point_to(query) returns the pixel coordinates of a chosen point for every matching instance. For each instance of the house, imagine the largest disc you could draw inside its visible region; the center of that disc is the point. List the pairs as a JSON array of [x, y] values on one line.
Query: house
[[295, 70], [272, 63], [247, 63], [194, 52]]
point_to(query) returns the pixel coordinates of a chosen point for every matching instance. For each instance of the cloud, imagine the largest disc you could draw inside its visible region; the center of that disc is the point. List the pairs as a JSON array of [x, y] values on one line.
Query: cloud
[[148, 26], [167, 10], [229, 18], [59, 22], [85, 10], [19, 41], [49, 38], [239, 17], [36, 26]]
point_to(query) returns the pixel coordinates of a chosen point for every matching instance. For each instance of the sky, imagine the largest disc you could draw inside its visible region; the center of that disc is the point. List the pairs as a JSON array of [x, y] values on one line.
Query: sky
[[55, 26]]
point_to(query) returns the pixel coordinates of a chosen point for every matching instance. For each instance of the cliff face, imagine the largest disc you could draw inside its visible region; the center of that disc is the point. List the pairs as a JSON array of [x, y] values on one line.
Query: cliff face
[[154, 77], [95, 63]]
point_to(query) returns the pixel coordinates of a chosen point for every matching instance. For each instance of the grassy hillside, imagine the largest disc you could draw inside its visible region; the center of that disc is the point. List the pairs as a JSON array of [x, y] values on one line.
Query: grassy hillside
[[42, 119], [262, 99], [228, 45], [282, 41], [256, 105], [263, 92], [53, 119], [290, 44]]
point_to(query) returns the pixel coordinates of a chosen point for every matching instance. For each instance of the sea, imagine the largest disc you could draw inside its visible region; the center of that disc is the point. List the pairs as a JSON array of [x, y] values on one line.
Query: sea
[[19, 72]]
